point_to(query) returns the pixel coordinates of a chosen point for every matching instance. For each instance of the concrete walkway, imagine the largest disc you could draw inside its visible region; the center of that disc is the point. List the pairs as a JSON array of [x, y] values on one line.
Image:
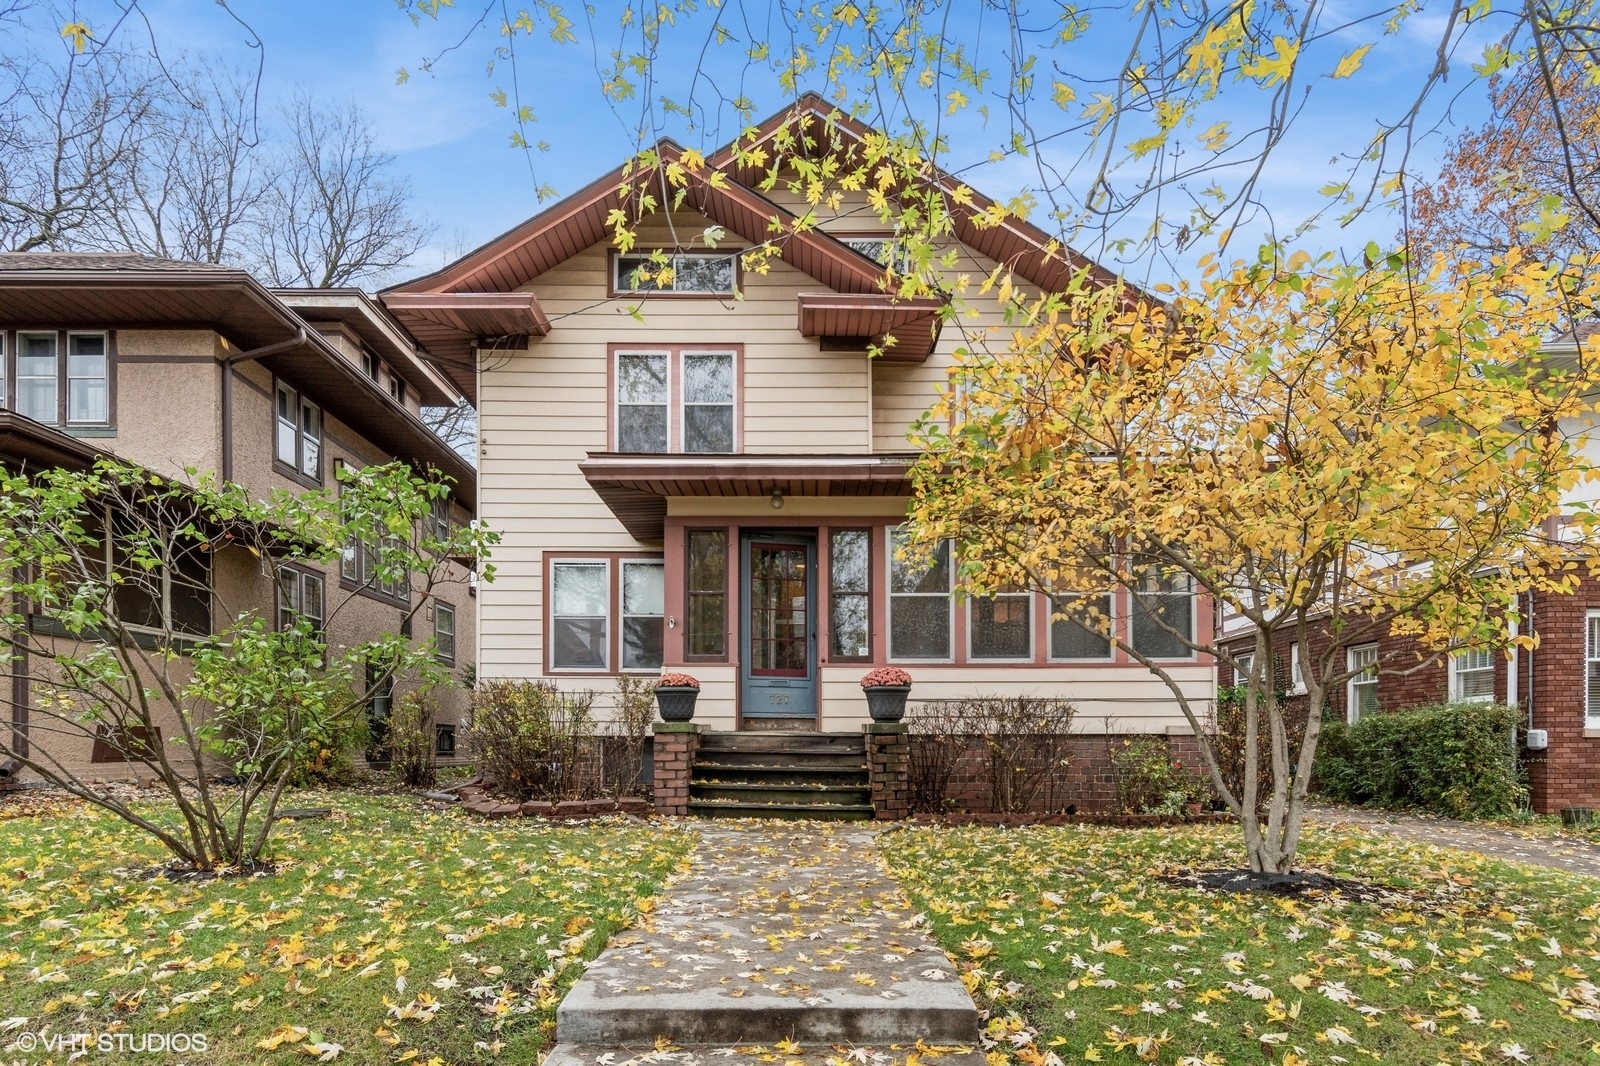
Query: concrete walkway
[[776, 934], [1569, 853]]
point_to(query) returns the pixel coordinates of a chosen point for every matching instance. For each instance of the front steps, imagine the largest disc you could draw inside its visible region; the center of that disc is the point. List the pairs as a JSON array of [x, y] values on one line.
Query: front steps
[[781, 774]]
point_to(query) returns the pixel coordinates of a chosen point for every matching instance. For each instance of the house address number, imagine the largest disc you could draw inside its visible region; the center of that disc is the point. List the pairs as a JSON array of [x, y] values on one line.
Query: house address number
[[778, 697]]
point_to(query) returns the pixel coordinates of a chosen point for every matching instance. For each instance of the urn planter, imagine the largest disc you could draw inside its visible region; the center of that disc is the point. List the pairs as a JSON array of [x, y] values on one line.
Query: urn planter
[[676, 702], [886, 703]]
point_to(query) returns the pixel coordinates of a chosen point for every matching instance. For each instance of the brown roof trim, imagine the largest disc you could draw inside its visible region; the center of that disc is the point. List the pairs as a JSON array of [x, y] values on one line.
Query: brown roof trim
[[1017, 244], [239, 308], [579, 222], [449, 324], [379, 330], [28, 444], [636, 487], [914, 323]]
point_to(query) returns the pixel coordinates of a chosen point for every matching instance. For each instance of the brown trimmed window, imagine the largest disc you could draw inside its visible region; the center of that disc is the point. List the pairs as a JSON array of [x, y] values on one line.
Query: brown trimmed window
[[57, 391], [1082, 633], [300, 595], [705, 633], [919, 602], [116, 743], [693, 273], [849, 595], [297, 440], [676, 400], [593, 599], [444, 632]]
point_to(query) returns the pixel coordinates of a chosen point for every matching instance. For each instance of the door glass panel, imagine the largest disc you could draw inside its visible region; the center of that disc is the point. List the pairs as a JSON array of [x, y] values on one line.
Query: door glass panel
[[778, 611]]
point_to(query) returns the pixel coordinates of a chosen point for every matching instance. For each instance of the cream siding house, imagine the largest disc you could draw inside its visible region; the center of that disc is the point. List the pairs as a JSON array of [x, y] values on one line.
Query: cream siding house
[[708, 477]]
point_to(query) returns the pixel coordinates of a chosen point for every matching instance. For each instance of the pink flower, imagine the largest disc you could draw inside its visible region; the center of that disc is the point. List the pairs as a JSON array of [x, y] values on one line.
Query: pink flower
[[676, 681], [886, 676]]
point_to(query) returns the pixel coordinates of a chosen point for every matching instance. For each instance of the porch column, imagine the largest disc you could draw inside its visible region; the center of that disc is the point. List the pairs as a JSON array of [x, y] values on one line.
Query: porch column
[[674, 748], [888, 769]]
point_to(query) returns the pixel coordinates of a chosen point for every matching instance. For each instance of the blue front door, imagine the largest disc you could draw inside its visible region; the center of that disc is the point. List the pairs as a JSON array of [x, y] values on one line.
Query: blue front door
[[778, 630]]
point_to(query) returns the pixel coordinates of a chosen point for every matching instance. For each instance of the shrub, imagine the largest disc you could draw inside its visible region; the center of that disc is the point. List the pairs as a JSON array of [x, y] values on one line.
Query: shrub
[[628, 729], [1025, 744], [1151, 781], [1228, 742], [534, 740], [412, 746], [1454, 759]]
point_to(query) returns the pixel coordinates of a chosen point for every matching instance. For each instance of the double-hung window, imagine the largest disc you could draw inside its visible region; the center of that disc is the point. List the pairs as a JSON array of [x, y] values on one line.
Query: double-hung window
[[1592, 671], [300, 595], [919, 601], [692, 273], [298, 438], [444, 632], [1242, 662], [1361, 691], [1163, 615], [1472, 675], [1082, 628], [588, 612], [675, 400], [74, 391]]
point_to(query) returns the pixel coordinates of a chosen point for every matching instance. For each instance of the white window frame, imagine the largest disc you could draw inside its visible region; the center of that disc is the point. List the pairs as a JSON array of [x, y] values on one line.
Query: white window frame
[[293, 584], [607, 632], [620, 278], [1050, 623], [1297, 671], [623, 614], [1029, 612], [1592, 672], [54, 377], [68, 377], [674, 403], [304, 456], [1242, 662], [1471, 662], [444, 638], [892, 541], [1360, 683]]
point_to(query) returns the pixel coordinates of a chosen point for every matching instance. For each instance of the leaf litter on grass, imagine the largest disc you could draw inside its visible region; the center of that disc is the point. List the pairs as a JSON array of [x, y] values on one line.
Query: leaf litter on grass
[[1081, 946], [388, 933]]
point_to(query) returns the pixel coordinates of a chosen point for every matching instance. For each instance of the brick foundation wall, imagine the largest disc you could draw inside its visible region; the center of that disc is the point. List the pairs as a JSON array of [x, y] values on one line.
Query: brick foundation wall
[[673, 750], [1087, 784]]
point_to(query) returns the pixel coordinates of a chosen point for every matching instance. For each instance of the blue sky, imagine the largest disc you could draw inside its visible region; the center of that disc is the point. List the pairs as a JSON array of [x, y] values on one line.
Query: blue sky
[[453, 144]]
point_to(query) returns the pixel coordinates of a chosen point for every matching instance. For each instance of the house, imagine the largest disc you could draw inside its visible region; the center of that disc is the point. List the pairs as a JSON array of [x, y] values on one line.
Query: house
[[1556, 684], [177, 366], [704, 469]]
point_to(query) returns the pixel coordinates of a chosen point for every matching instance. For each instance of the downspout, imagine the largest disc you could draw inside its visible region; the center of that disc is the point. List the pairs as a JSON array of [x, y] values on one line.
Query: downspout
[[227, 391], [1532, 632], [19, 683]]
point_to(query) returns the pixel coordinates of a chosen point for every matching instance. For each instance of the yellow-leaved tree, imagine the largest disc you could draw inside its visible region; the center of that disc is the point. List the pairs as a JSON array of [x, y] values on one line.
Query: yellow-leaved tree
[[1358, 448]]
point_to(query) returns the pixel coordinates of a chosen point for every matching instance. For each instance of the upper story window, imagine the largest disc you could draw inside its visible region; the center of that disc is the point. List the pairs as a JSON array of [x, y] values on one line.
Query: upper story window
[[397, 387], [300, 595], [885, 250], [370, 364], [298, 439], [676, 400], [694, 273], [60, 378], [444, 631]]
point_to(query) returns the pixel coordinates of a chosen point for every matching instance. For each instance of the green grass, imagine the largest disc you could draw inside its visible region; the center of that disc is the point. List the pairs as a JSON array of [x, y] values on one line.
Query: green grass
[[392, 930], [1066, 935]]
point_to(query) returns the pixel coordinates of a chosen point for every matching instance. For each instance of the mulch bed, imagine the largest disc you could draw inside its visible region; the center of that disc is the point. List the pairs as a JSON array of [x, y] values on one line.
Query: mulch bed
[[1300, 885]]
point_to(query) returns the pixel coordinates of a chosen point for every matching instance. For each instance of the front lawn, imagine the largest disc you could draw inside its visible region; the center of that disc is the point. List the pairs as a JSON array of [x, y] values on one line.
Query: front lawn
[[390, 931], [1071, 933]]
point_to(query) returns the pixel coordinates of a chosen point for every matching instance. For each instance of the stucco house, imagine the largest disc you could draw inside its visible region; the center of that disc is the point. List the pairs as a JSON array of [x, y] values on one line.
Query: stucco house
[[707, 475], [174, 366]]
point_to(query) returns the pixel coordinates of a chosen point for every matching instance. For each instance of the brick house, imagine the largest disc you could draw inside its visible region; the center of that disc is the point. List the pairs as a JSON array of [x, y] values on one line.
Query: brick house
[[173, 365]]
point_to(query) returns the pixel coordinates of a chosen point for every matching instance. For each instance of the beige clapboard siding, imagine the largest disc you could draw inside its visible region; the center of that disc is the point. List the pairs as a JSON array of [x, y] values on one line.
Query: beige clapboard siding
[[544, 408]]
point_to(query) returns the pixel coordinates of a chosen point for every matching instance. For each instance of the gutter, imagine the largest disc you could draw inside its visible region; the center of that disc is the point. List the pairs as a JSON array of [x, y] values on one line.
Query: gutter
[[228, 362]]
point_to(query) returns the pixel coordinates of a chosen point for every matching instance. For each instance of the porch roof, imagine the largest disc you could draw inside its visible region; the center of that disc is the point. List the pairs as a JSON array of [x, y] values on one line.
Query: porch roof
[[636, 487]]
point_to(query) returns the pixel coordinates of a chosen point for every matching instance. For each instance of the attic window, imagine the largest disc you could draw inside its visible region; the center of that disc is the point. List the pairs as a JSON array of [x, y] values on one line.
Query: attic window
[[708, 273], [885, 251]]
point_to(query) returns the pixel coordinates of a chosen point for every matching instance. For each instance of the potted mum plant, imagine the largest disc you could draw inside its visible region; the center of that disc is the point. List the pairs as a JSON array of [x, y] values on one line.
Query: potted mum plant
[[675, 696], [887, 688]]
